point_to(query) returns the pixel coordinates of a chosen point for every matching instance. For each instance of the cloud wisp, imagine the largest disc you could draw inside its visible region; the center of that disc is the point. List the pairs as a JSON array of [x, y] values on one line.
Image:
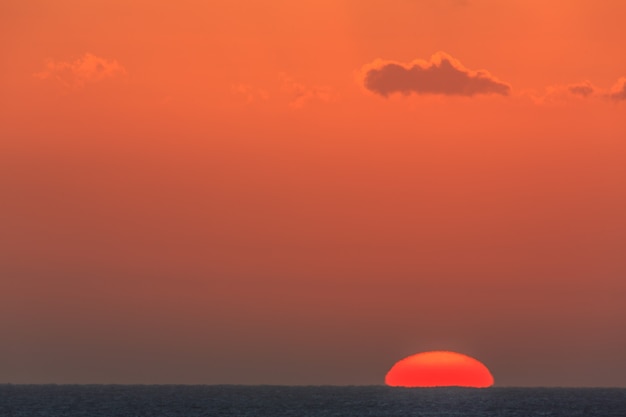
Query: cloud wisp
[[88, 68], [561, 93], [442, 75], [250, 93], [300, 94], [618, 91], [584, 89]]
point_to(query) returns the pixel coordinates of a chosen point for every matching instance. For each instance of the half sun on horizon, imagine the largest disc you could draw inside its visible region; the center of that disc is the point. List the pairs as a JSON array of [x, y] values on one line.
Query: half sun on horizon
[[439, 369]]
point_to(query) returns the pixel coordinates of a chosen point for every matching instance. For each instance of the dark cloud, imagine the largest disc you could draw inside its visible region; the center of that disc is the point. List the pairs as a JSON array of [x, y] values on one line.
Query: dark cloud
[[441, 75], [618, 92]]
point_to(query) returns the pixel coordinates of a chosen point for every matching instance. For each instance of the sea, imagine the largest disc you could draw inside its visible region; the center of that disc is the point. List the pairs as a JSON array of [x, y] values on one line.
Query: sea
[[302, 401]]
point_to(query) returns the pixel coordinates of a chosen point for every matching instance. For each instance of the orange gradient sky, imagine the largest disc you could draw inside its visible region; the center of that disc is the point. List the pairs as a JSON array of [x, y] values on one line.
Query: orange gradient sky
[[305, 192]]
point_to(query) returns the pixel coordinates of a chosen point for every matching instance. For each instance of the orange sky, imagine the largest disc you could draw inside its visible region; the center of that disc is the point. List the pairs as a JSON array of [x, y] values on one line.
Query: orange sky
[[306, 192]]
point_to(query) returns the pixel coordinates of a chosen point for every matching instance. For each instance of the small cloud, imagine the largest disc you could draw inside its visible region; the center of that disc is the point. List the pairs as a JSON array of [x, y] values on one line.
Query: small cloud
[[577, 91], [250, 93], [618, 91], [87, 69], [441, 75], [301, 93], [584, 89]]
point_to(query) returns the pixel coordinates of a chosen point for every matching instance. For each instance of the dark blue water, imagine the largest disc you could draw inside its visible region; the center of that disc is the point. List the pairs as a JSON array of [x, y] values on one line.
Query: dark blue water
[[207, 400]]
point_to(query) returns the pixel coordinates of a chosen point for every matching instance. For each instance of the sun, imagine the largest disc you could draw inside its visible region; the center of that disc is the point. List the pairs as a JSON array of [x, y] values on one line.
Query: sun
[[439, 369]]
